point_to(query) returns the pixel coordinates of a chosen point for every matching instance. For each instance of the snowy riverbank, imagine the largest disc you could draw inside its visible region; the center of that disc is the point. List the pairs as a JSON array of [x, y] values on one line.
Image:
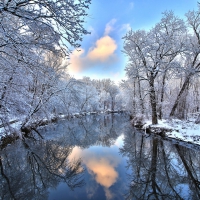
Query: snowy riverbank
[[184, 130]]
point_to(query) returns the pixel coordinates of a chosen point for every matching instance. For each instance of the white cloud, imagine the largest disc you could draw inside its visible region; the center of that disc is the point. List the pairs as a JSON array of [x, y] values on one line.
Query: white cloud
[[93, 33], [131, 5], [76, 61], [110, 27], [104, 48], [103, 51], [125, 27]]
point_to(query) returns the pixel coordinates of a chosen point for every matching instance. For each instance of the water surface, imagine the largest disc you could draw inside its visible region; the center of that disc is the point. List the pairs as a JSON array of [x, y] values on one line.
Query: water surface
[[98, 157]]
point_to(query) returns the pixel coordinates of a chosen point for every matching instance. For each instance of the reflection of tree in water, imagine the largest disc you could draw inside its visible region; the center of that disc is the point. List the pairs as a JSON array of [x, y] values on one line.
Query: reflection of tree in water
[[161, 170], [89, 130], [29, 168]]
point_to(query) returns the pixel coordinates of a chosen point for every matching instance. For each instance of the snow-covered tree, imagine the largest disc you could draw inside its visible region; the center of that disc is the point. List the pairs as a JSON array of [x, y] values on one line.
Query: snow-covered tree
[[47, 22], [34, 37], [191, 57], [152, 53]]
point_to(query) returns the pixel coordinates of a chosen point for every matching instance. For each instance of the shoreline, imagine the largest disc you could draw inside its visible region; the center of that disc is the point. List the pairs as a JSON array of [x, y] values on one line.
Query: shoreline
[[177, 131], [181, 130], [20, 132]]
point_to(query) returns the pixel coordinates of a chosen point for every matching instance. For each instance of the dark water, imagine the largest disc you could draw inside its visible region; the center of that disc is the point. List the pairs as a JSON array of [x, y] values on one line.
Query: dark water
[[98, 157]]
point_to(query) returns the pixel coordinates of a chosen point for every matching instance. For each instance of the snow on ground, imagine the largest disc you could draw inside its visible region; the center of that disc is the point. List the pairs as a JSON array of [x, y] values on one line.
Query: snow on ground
[[15, 127], [184, 130]]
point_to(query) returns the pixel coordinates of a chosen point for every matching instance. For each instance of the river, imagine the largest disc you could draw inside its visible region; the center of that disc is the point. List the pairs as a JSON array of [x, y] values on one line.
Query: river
[[98, 157]]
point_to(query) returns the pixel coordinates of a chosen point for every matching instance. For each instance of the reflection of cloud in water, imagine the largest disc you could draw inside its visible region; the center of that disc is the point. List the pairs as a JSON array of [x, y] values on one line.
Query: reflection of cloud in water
[[91, 189], [101, 166], [120, 141], [103, 170], [108, 193]]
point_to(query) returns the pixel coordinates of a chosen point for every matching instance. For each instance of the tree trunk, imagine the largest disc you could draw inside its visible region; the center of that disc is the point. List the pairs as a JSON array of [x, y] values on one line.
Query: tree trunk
[[162, 96], [113, 103], [153, 168], [153, 101], [195, 182], [184, 86], [140, 95], [134, 97], [197, 121]]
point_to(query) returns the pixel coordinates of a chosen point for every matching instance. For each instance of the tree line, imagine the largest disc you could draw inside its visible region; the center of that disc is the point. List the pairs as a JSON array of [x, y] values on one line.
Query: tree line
[[35, 42], [163, 67]]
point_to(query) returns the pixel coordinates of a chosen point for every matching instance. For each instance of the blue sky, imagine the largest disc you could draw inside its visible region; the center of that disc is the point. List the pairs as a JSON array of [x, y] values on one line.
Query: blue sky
[[108, 21]]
